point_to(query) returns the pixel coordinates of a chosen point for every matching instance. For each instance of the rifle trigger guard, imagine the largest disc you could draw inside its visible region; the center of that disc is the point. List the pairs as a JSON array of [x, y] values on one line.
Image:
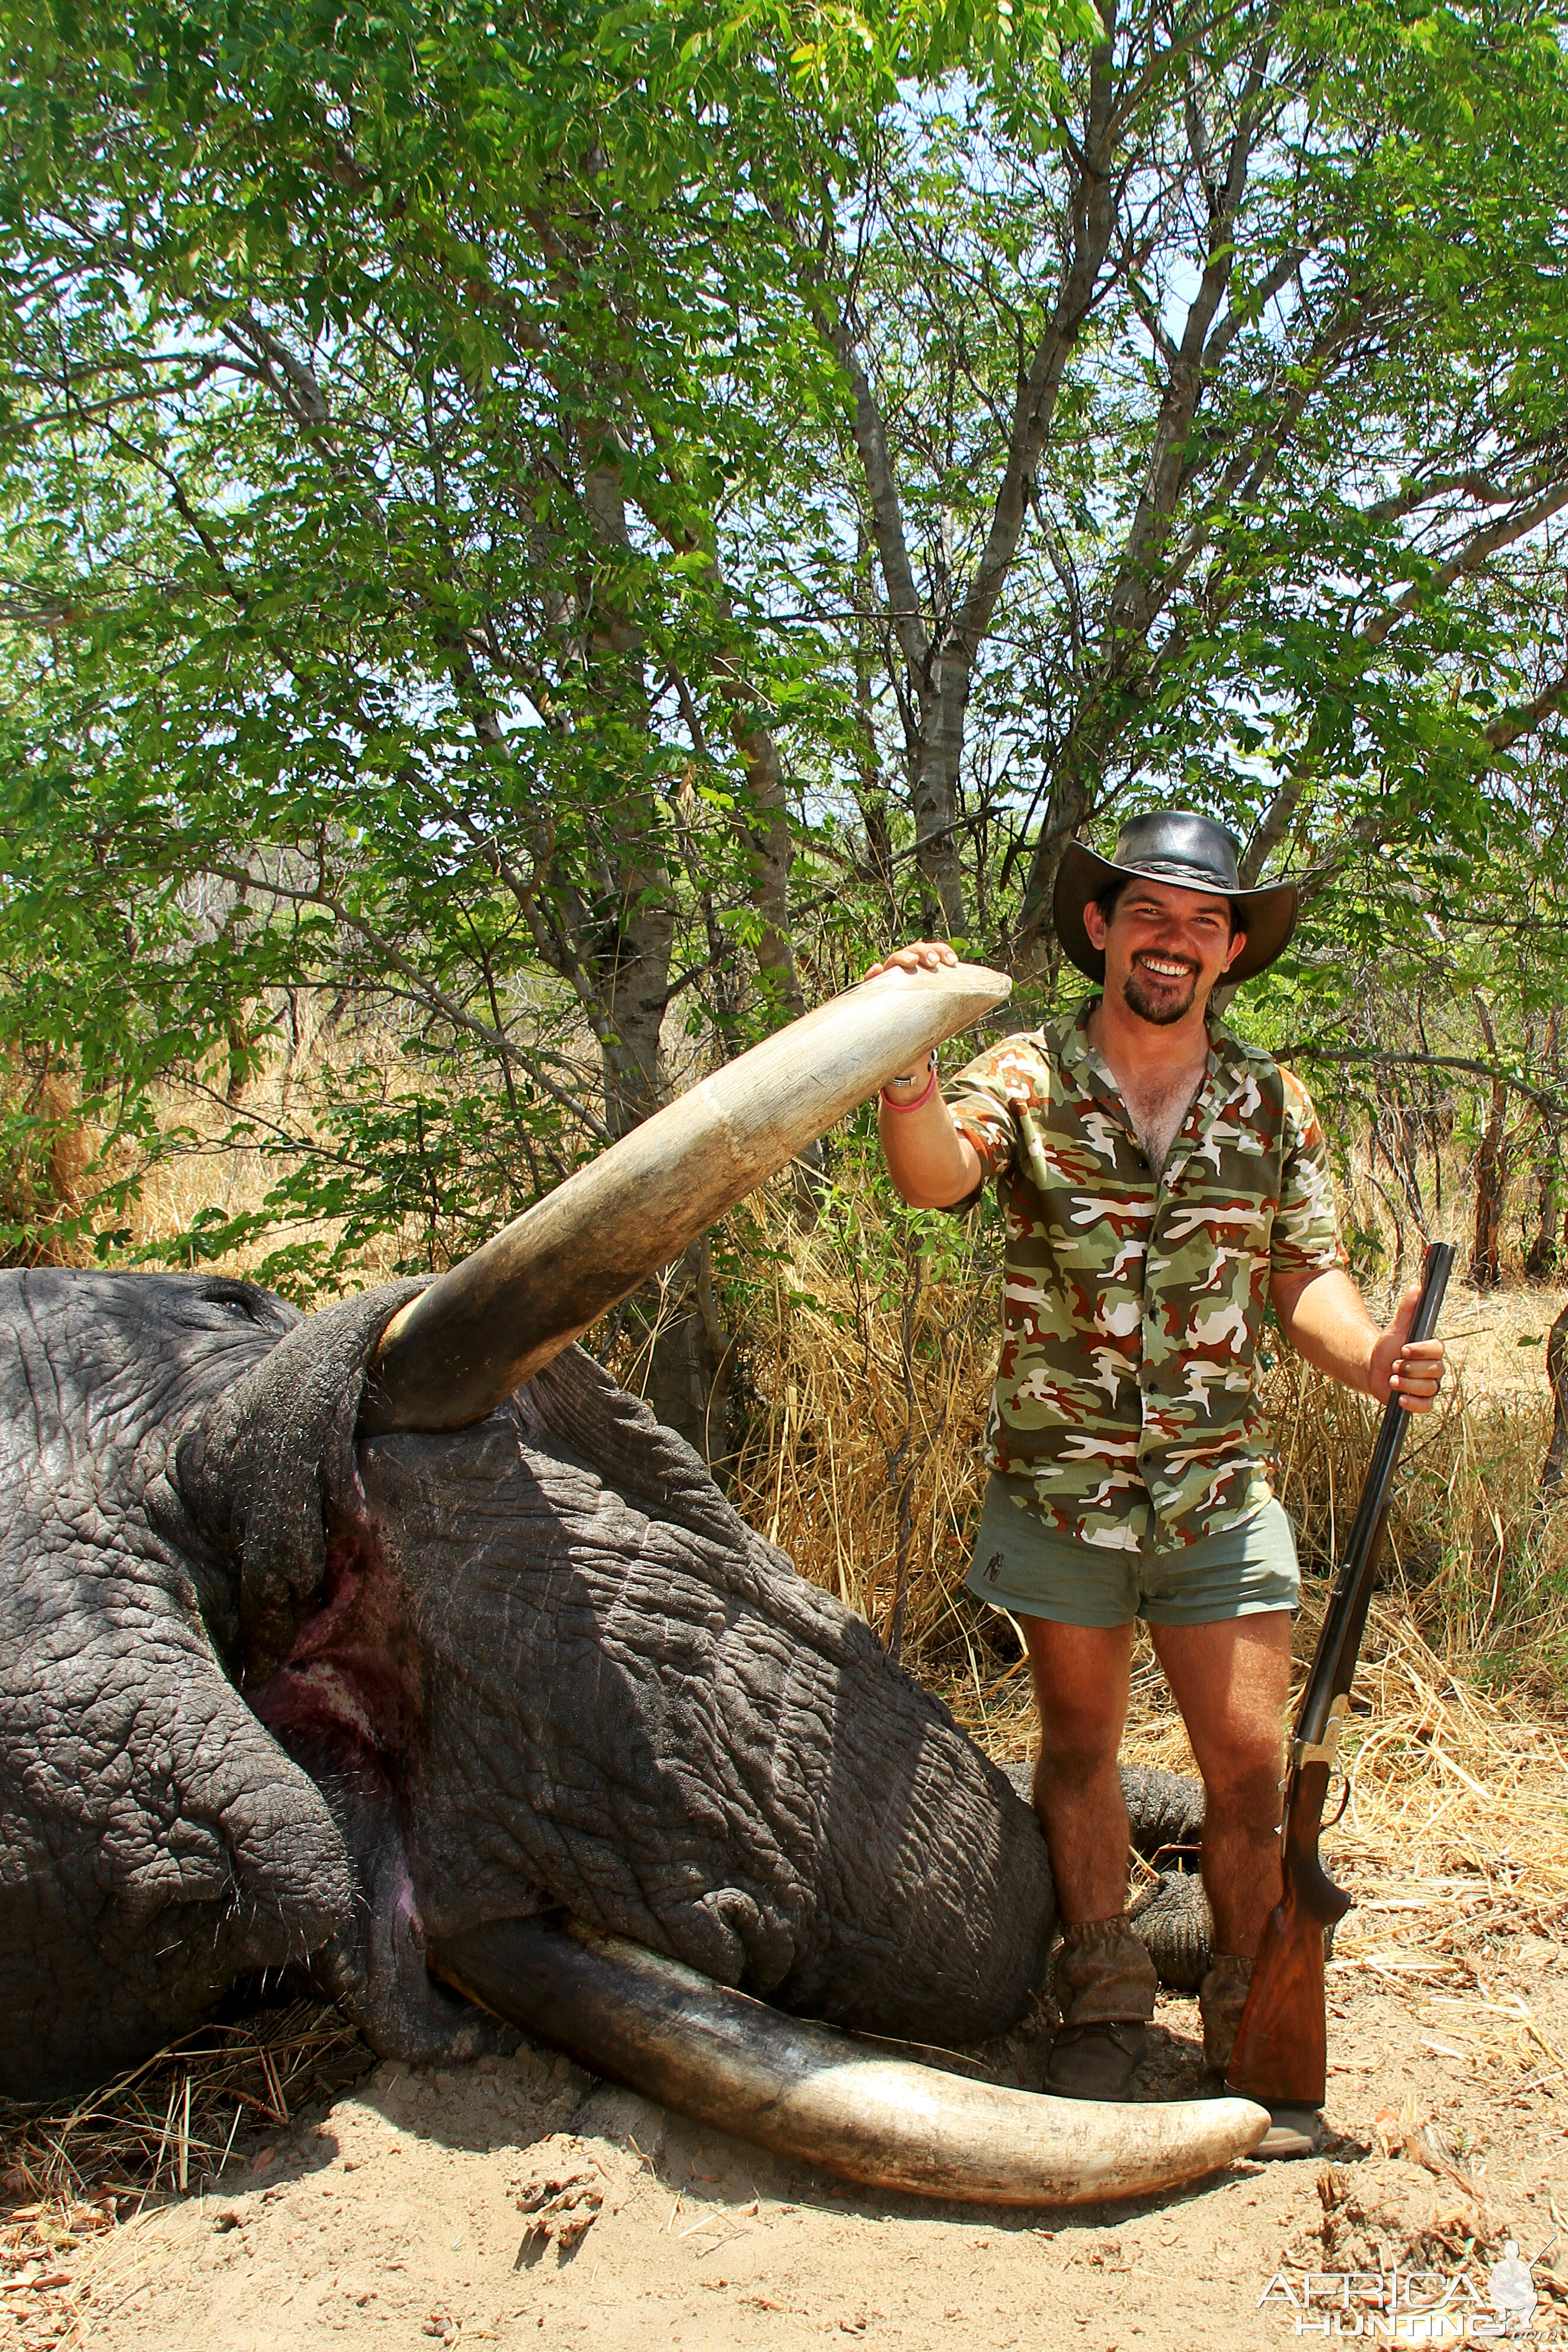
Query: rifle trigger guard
[[1323, 1751], [1343, 1801]]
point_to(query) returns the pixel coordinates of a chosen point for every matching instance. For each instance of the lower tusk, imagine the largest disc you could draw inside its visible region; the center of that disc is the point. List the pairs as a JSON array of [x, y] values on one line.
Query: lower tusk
[[821, 2097]]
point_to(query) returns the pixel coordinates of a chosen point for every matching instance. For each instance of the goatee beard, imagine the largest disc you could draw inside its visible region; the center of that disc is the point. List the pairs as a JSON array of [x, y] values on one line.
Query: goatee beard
[[1160, 1011]]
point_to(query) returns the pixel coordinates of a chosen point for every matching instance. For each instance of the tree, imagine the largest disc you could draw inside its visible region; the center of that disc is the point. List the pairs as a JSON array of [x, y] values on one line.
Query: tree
[[381, 381], [1206, 429], [540, 528]]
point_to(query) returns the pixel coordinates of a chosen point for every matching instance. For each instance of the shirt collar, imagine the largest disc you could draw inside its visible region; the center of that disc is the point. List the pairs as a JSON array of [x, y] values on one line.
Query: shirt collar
[[1068, 1040]]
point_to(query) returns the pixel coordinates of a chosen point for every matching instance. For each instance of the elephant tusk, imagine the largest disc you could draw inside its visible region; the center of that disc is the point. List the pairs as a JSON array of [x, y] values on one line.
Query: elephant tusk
[[819, 2097], [477, 1333]]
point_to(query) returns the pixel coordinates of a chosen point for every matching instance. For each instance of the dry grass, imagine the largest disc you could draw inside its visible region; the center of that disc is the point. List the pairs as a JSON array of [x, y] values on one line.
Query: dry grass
[[43, 1159], [871, 1374], [208, 1173], [181, 2121]]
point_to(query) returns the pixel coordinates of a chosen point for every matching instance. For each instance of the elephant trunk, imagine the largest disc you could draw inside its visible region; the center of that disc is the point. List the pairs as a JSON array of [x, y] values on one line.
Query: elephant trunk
[[474, 1337], [819, 2097]]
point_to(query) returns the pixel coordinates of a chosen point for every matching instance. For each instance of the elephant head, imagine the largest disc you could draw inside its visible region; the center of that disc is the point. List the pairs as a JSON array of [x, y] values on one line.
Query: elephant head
[[398, 1641]]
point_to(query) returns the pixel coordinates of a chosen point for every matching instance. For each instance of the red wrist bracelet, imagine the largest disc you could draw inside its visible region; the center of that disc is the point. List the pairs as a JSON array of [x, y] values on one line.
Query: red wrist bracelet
[[924, 1094]]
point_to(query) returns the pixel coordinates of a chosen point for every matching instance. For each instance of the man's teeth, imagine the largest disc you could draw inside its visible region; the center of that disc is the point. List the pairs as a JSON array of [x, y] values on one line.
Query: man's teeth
[[1165, 971]]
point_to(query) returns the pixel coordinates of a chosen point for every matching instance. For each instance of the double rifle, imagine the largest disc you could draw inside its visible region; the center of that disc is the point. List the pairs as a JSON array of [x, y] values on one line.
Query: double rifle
[[1281, 2050]]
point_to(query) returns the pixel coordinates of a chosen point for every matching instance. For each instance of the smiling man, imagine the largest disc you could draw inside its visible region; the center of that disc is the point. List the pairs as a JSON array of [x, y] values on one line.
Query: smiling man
[[1163, 1184]]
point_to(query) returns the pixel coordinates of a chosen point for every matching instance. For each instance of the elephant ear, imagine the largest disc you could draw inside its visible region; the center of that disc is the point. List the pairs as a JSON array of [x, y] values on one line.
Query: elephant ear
[[268, 1470]]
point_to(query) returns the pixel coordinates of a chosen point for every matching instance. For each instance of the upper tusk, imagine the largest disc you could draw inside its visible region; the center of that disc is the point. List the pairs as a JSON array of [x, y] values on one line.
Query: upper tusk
[[477, 1333], [819, 2097]]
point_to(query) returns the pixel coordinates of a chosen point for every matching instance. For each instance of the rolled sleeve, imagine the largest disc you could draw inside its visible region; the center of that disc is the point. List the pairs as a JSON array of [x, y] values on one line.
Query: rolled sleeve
[[1305, 1239], [978, 1101]]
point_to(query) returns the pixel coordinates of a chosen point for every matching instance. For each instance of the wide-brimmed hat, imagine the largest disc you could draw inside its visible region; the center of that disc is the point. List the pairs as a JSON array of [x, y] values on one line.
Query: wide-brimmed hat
[[1193, 852]]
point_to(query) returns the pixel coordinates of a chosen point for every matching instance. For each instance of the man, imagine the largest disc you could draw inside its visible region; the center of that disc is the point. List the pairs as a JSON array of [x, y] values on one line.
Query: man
[[1162, 1185]]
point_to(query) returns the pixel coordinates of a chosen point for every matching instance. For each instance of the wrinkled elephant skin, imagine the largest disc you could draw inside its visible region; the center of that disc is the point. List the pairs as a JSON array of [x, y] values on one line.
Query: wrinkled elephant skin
[[268, 1694]]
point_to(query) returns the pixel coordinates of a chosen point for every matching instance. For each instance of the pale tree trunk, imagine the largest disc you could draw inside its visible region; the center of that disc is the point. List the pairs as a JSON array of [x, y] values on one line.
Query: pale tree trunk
[[771, 854], [1491, 1174], [1141, 588], [932, 758], [770, 841], [688, 1349], [636, 916], [938, 648], [935, 798], [1557, 1373], [691, 1356], [689, 1353], [1542, 1254], [764, 818], [1072, 800], [870, 790], [689, 1372]]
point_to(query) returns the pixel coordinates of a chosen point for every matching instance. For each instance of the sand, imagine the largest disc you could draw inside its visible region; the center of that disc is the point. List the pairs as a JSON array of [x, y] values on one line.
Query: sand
[[516, 2202]]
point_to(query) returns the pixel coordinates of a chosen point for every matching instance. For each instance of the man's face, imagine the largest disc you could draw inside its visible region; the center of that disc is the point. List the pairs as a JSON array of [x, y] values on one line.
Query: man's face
[[1165, 948]]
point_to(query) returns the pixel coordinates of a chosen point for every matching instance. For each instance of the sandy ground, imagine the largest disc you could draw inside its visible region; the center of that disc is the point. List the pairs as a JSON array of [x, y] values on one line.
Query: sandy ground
[[439, 2206], [1496, 1339]]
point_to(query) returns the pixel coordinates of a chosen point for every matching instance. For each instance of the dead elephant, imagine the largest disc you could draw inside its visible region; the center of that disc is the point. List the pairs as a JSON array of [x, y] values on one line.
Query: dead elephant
[[289, 1671]]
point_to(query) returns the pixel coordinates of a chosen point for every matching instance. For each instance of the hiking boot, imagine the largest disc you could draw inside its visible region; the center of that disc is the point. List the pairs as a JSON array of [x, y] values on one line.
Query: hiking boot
[[1294, 2132], [1104, 1984], [1093, 2062], [1221, 1998]]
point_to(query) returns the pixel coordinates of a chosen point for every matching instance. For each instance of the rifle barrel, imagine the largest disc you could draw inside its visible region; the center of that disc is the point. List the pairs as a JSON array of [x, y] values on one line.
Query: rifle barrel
[[1333, 1663]]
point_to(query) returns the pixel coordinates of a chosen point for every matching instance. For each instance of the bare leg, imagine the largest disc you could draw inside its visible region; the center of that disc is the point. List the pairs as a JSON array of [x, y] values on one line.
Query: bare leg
[[1231, 1682], [1080, 1674]]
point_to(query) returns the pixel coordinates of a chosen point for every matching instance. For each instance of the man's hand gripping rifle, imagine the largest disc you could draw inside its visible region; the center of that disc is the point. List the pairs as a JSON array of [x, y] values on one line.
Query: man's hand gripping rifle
[[1281, 2050]]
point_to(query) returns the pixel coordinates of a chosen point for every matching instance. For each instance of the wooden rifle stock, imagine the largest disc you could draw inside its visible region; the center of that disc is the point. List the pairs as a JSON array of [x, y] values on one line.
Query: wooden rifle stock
[[1281, 2048]]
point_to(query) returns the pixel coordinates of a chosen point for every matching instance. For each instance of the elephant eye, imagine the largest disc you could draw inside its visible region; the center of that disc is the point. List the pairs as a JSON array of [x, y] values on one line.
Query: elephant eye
[[238, 1300]]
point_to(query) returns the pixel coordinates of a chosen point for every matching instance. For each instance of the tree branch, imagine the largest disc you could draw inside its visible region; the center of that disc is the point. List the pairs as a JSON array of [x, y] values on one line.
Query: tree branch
[[428, 990], [1307, 1050], [1467, 558]]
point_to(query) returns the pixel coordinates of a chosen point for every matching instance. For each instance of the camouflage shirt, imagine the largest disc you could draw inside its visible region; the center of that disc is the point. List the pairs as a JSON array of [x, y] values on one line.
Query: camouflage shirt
[[1126, 1394]]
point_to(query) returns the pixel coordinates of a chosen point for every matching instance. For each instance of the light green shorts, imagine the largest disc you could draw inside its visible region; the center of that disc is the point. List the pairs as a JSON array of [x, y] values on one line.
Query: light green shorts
[[1021, 1564]]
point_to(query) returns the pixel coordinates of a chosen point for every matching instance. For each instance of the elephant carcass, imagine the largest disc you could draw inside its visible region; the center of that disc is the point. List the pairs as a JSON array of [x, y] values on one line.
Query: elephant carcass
[[282, 1679]]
